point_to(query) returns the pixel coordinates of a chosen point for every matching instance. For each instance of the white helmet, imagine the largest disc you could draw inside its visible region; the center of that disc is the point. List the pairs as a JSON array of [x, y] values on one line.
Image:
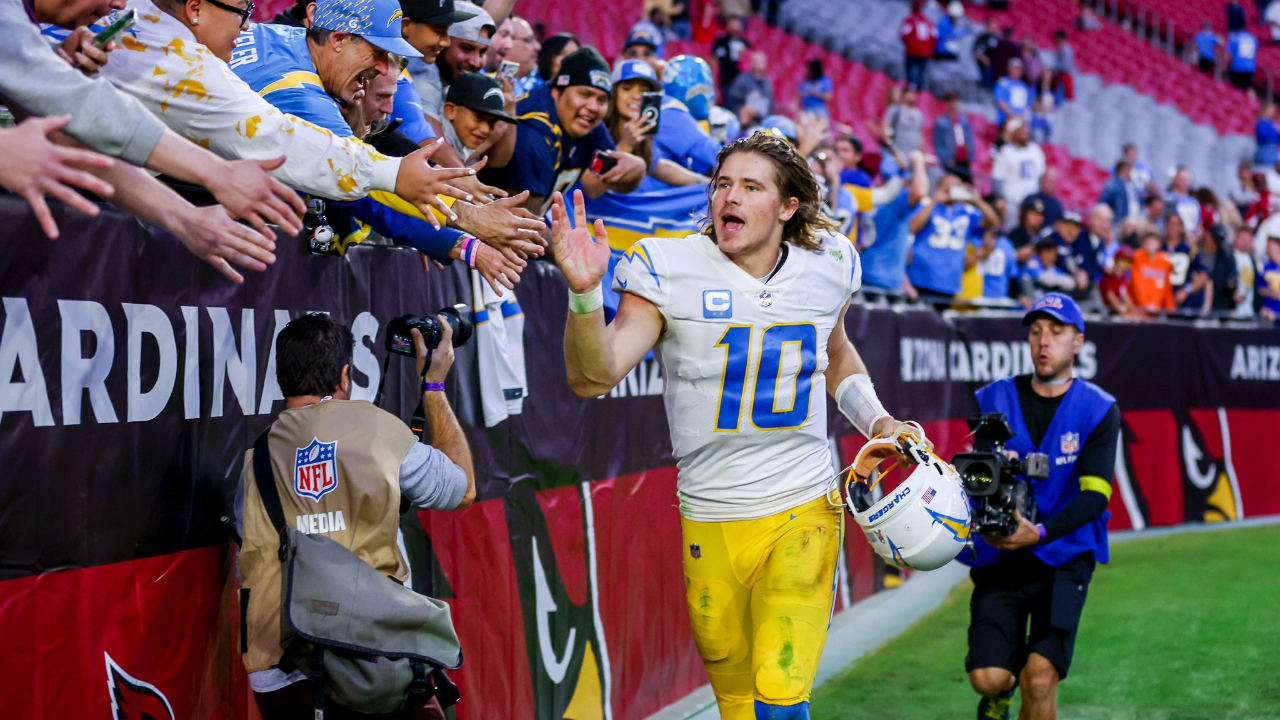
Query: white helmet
[[924, 523]]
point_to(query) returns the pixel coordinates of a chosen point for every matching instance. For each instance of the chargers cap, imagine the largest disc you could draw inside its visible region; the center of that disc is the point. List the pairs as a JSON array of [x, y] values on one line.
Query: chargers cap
[[377, 21], [584, 66], [480, 93], [1057, 306]]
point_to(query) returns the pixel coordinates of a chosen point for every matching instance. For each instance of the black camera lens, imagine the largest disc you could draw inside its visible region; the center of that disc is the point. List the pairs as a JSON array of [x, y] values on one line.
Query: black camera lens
[[400, 336]]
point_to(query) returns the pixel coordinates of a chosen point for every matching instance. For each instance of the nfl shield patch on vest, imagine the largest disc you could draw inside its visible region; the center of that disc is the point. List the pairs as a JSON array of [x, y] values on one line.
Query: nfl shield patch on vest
[[315, 471], [1069, 443], [695, 550]]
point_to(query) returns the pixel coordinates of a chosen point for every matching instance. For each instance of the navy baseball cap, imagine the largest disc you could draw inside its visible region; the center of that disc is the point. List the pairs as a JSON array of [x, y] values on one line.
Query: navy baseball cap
[[377, 21], [643, 35], [1057, 306]]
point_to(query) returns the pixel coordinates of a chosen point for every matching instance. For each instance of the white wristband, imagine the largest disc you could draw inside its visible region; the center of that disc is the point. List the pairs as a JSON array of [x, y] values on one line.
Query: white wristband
[[588, 302], [856, 398]]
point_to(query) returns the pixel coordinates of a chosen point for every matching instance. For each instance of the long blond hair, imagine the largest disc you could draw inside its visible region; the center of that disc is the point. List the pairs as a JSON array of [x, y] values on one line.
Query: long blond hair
[[794, 179]]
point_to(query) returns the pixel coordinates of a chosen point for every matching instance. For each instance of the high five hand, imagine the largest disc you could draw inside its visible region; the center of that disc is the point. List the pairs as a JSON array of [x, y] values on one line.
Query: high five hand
[[582, 258]]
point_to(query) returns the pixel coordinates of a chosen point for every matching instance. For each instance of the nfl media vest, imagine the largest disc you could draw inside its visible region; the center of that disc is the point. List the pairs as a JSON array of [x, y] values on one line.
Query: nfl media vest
[[1082, 408], [337, 469]]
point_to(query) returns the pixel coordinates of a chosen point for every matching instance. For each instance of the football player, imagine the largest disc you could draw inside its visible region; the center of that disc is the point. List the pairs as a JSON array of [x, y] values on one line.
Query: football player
[[747, 319]]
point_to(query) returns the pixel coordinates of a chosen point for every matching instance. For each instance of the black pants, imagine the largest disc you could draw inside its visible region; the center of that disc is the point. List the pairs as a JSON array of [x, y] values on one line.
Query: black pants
[[1242, 80], [1019, 589], [297, 702]]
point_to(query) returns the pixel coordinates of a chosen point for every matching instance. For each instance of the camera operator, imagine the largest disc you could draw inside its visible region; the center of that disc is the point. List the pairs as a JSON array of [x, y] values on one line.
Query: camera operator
[[1042, 570], [341, 467]]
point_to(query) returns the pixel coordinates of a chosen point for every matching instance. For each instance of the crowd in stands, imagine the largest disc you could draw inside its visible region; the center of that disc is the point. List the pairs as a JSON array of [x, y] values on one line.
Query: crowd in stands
[[449, 127], [1148, 246]]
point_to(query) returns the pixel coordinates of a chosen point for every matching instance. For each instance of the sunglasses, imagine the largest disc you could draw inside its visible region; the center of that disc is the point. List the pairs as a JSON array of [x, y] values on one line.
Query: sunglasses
[[245, 13]]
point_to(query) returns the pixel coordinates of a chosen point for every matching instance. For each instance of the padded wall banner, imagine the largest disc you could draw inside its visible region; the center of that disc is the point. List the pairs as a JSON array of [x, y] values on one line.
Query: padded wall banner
[[132, 378]]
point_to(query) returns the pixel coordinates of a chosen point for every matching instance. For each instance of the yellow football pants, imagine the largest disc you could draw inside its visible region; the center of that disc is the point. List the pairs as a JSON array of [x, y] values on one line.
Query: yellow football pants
[[760, 596]]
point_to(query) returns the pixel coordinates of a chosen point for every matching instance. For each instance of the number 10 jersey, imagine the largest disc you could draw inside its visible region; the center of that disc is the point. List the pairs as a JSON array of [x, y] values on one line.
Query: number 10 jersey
[[743, 363]]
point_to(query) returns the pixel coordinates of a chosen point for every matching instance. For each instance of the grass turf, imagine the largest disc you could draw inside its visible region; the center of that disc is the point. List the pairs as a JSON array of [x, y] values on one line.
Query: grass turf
[[1182, 627]]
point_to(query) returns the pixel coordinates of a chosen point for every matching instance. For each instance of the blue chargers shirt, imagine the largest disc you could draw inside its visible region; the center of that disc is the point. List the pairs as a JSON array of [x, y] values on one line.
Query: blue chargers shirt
[[546, 160], [937, 261], [1013, 93], [998, 269], [885, 261], [274, 60], [855, 176], [1243, 47], [408, 110], [1206, 44]]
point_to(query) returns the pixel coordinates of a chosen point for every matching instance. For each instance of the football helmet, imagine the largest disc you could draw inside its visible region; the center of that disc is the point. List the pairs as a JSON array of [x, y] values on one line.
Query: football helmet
[[924, 523], [725, 126], [688, 78]]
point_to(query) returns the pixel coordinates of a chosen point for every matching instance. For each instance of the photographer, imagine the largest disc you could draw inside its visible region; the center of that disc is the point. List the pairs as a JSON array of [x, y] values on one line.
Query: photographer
[[341, 468], [1042, 571]]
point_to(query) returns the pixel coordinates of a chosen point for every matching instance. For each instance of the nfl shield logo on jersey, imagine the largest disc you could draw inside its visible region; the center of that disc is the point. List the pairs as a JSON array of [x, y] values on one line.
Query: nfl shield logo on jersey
[[1070, 443], [315, 472]]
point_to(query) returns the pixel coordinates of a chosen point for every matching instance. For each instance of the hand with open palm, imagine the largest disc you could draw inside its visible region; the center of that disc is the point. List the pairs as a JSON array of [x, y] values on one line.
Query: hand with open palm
[[582, 258]]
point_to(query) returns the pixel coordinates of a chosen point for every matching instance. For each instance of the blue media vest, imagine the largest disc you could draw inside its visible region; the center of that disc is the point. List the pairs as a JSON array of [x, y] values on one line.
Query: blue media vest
[[1082, 408]]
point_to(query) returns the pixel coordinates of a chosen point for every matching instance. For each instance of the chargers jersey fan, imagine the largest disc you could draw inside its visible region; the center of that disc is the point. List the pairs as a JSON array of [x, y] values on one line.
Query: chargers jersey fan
[[743, 364]]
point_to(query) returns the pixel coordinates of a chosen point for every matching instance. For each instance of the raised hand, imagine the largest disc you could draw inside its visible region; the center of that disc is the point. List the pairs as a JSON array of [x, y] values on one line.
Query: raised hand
[[582, 258], [82, 53], [479, 191], [34, 167], [422, 184], [249, 193], [214, 237], [499, 270], [504, 225]]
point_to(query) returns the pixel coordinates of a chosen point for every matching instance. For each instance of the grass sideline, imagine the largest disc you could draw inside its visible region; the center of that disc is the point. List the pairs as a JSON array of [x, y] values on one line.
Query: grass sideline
[[1180, 627]]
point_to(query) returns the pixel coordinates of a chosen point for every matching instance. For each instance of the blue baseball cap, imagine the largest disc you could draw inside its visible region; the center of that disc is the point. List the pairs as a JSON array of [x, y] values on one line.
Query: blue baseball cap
[[779, 125], [377, 21], [1057, 306], [636, 70]]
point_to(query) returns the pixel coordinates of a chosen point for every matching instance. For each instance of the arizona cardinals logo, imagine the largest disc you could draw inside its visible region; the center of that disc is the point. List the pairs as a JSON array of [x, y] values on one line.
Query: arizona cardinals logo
[[1214, 495], [133, 699]]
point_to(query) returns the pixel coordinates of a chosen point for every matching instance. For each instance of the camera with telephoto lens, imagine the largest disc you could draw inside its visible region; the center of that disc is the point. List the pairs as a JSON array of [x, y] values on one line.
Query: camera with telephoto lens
[[1000, 485], [400, 338]]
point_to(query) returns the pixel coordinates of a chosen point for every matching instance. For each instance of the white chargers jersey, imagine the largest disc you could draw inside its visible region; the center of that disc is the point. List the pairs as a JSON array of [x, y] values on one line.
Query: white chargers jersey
[[743, 363]]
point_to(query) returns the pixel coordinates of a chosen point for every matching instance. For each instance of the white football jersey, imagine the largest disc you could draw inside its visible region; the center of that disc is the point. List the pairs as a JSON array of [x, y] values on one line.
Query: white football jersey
[[742, 364]]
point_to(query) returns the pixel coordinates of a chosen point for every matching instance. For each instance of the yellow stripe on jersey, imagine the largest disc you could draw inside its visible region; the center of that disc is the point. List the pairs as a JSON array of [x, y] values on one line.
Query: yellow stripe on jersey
[[399, 204], [293, 80]]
